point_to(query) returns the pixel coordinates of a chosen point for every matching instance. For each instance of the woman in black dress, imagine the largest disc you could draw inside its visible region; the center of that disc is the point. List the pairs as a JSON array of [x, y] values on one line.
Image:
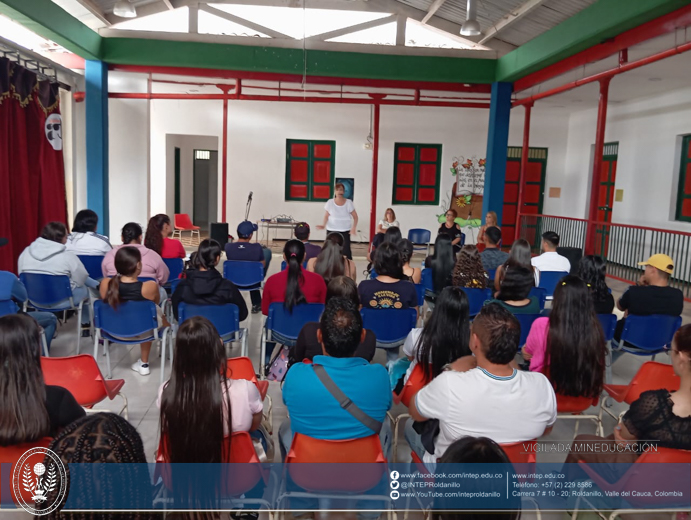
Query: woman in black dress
[[452, 230]]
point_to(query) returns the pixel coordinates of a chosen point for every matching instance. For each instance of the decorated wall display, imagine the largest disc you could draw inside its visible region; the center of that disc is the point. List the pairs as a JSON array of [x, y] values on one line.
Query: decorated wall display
[[466, 195], [349, 185]]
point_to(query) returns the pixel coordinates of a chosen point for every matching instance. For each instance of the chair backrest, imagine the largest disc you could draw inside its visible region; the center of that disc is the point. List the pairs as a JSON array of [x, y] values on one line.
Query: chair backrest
[[540, 294], [568, 404], [289, 324], [526, 321], [491, 273], [243, 274], [665, 456], [389, 325], [521, 452], [652, 376], [420, 289], [349, 477], [226, 317], [241, 368], [7, 307], [549, 280], [609, 323], [175, 267], [46, 289], [284, 264], [427, 279], [79, 374], [92, 264], [173, 284], [420, 236], [129, 320], [412, 386], [652, 333], [183, 221], [477, 298]]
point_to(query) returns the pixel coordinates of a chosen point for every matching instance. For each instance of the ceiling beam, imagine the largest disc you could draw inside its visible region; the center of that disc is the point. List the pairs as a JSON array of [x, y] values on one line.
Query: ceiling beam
[[511, 18], [142, 11], [244, 22], [95, 10], [433, 9], [168, 4], [353, 28], [400, 30]]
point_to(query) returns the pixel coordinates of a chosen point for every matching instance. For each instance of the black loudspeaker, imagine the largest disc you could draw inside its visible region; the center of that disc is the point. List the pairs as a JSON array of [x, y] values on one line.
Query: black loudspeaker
[[219, 232], [574, 255]]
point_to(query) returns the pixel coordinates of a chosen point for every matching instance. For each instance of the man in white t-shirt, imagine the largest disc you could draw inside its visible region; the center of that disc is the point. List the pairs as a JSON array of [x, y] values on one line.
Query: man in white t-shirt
[[493, 399], [550, 260]]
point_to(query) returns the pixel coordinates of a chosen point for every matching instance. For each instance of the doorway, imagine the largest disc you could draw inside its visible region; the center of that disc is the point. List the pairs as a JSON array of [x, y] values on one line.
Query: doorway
[[605, 198], [205, 180]]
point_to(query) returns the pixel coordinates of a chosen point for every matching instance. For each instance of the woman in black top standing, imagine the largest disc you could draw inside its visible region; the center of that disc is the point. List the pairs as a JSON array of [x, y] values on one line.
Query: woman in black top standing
[[592, 270], [452, 230], [29, 409]]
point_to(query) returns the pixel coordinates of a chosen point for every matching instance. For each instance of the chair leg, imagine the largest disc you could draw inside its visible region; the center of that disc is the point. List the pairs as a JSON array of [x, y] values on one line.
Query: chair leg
[[106, 346], [245, 350], [97, 337], [262, 353], [124, 412], [79, 324], [44, 343]]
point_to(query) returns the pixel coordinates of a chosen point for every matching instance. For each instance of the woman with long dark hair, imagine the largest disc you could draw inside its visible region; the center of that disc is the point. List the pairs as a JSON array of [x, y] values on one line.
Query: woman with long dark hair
[[331, 262], [569, 346], [405, 249], [592, 270], [156, 239], [519, 256], [204, 285], [442, 263], [29, 409], [444, 338], [469, 271], [514, 292], [126, 286], [200, 405]]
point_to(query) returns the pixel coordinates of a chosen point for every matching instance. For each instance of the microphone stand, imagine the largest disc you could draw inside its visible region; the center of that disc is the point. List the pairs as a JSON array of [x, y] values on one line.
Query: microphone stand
[[249, 204]]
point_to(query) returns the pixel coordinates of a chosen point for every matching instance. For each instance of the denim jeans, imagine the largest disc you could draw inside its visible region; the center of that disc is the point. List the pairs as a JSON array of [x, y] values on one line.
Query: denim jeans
[[414, 439], [78, 294], [48, 321]]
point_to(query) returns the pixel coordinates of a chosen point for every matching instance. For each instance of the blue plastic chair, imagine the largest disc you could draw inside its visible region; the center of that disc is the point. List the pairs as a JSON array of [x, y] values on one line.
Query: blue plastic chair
[[390, 326], [426, 279], [226, 319], [491, 273], [175, 267], [372, 274], [540, 294], [47, 290], [477, 299], [124, 325], [526, 321], [549, 281], [419, 236], [247, 276], [420, 289], [92, 264], [286, 326], [10, 307], [284, 264], [647, 335]]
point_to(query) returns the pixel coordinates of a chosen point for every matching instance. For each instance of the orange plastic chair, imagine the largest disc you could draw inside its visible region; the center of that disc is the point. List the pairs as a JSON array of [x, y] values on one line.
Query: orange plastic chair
[[415, 383], [11, 454], [83, 378], [182, 222], [573, 408], [651, 376], [242, 368]]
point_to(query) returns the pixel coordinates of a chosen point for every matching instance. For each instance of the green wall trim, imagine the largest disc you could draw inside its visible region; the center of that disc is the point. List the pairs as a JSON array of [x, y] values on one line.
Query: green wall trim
[[164, 53], [600, 21], [47, 19]]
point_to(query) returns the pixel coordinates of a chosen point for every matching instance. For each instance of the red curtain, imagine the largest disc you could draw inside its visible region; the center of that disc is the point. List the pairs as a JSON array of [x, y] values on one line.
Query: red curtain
[[32, 178]]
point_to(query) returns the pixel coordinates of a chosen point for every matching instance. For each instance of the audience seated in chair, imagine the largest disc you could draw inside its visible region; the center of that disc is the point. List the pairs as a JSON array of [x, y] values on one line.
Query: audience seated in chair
[[405, 249], [485, 395], [569, 346], [443, 339], [492, 256], [29, 409], [514, 292], [104, 438], [652, 294], [469, 271], [388, 221], [244, 250], [158, 238], [592, 270], [442, 263], [392, 234], [125, 286], [84, 240], [302, 232], [657, 415], [313, 409], [490, 221], [550, 260], [390, 289], [200, 405], [308, 344], [204, 285], [519, 256], [451, 230], [331, 262]]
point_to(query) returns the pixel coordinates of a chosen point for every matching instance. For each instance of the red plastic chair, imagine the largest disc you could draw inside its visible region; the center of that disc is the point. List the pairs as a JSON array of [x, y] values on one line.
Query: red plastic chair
[[11, 454], [413, 385], [651, 376], [182, 222], [574, 408], [242, 368], [83, 378]]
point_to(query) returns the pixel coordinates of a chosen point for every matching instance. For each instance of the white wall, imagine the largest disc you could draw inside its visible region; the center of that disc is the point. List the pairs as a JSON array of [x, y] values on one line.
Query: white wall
[[187, 144]]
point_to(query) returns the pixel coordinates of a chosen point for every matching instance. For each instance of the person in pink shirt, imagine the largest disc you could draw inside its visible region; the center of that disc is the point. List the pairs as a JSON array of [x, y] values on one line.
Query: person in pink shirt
[[156, 239], [152, 265], [569, 346]]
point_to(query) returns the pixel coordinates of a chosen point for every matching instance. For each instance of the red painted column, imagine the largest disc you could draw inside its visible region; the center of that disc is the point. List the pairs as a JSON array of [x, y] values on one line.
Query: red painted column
[[597, 166], [224, 158], [524, 167], [375, 168]]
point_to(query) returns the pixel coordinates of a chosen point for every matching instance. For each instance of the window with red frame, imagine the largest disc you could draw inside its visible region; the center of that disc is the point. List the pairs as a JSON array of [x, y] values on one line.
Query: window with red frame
[[417, 168], [309, 170]]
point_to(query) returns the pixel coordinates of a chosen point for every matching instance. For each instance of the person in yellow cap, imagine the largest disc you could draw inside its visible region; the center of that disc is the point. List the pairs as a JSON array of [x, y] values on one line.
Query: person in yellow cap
[[652, 294]]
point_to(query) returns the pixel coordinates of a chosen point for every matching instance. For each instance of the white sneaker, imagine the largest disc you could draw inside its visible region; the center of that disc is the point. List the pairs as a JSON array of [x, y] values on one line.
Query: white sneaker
[[142, 368]]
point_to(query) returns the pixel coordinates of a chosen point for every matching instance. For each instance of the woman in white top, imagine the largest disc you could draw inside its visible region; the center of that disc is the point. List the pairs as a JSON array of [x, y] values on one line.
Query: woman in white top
[[339, 211], [388, 221]]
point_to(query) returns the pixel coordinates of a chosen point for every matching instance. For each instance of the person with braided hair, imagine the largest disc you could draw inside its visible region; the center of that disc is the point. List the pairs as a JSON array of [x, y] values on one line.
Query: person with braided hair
[[104, 438]]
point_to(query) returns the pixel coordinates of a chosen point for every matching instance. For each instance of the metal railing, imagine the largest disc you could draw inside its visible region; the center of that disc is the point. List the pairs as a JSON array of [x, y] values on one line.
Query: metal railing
[[621, 245]]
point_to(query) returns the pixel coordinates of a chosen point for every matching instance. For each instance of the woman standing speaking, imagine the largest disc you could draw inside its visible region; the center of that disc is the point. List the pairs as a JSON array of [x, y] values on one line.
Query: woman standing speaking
[[338, 218]]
